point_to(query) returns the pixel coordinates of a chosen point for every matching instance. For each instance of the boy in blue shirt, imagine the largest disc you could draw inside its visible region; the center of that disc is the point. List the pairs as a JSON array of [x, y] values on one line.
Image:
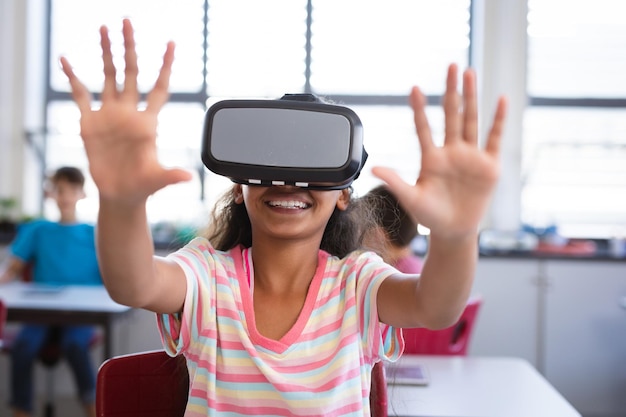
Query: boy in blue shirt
[[61, 253]]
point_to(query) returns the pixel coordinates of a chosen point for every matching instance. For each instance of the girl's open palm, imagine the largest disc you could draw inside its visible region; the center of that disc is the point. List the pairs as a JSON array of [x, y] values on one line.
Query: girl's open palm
[[456, 180], [119, 139]]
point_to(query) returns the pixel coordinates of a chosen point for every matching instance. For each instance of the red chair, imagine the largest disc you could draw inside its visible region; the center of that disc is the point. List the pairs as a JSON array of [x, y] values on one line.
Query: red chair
[[147, 384], [378, 391], [154, 384], [453, 340], [3, 319]]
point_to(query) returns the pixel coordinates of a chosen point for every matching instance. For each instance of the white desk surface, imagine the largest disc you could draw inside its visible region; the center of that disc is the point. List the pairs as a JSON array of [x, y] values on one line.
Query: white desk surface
[[21, 295], [476, 387]]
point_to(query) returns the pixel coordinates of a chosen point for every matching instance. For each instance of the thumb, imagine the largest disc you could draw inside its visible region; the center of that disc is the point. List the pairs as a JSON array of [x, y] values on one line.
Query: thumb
[[394, 182], [175, 175]]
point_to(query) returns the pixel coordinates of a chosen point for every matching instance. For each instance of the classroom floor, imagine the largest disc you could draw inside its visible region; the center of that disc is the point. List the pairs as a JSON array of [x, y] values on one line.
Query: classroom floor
[[63, 407]]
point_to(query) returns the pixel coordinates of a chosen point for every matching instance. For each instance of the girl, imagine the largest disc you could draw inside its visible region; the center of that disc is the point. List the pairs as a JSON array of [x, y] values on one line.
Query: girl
[[275, 325]]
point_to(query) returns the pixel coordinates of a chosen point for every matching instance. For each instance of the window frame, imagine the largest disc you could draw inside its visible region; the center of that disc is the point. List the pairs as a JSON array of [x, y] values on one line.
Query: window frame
[[202, 96]]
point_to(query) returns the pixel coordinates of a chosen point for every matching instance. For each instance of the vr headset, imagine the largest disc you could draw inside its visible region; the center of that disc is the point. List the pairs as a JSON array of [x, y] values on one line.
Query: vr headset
[[296, 140]]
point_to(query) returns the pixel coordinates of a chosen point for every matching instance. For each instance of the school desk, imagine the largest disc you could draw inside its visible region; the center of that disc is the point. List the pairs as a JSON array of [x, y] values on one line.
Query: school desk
[[475, 387], [71, 305]]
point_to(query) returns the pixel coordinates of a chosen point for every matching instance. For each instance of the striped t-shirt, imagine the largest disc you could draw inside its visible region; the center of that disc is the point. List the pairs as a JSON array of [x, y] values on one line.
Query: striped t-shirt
[[320, 367]]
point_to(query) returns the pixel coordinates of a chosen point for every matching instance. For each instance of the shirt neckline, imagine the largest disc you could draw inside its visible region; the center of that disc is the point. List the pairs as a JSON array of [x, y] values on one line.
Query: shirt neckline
[[245, 274]]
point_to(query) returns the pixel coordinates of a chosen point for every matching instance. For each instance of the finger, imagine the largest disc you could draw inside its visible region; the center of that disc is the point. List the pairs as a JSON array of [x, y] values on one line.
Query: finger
[[492, 147], [422, 128], [160, 94], [80, 93], [451, 104], [470, 111], [110, 86], [130, 59]]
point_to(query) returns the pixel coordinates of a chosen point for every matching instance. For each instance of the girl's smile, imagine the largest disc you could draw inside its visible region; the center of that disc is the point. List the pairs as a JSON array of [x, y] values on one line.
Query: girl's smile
[[290, 205], [289, 200], [289, 211]]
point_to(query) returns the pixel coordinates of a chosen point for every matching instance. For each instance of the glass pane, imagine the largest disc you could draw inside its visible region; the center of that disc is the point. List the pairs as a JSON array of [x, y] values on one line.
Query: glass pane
[[576, 48], [574, 170], [75, 34], [390, 140], [65, 147], [373, 47], [214, 186], [180, 128], [256, 48]]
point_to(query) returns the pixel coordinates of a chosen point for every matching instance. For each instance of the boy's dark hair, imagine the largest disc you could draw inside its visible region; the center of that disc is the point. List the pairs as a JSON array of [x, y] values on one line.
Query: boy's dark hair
[[396, 223], [344, 231], [70, 174]]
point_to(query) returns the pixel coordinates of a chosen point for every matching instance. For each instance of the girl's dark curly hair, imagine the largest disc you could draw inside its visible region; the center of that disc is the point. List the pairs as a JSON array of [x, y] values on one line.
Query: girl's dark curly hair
[[230, 226]]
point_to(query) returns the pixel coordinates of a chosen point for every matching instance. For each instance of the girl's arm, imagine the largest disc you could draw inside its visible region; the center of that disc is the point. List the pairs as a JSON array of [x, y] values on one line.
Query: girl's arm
[[131, 273], [449, 197], [436, 298], [120, 142]]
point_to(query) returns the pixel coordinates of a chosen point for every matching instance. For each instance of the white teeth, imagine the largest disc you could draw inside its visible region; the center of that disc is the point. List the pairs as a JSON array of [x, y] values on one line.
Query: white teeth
[[288, 204]]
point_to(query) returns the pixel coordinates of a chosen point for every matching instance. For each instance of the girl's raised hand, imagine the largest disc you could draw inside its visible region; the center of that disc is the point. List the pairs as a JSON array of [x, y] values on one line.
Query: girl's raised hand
[[456, 180], [120, 139]]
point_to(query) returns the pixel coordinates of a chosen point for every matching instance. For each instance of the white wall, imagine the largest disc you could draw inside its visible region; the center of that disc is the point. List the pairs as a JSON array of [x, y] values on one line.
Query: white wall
[[12, 47], [22, 25]]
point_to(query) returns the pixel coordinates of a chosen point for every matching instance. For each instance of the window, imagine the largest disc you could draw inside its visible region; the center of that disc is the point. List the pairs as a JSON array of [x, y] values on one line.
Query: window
[[363, 54], [574, 139], [180, 122]]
